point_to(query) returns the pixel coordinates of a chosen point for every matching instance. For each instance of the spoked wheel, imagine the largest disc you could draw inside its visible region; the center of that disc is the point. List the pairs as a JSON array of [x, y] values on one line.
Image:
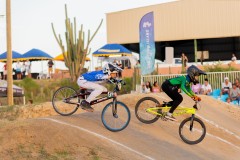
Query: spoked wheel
[[116, 121], [192, 131], [63, 101], [141, 110]]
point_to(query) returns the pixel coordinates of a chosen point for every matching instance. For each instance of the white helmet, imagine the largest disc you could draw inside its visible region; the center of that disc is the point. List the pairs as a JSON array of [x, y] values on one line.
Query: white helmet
[[109, 68]]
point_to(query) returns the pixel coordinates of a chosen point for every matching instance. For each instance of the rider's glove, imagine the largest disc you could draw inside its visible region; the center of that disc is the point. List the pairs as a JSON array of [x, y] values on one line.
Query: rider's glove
[[196, 98]]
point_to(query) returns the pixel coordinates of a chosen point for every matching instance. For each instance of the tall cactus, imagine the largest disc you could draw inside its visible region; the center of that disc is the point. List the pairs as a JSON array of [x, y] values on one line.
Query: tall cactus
[[75, 53]]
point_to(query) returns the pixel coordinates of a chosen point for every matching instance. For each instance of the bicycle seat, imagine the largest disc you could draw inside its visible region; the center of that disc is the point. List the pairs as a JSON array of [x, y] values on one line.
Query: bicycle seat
[[167, 103]]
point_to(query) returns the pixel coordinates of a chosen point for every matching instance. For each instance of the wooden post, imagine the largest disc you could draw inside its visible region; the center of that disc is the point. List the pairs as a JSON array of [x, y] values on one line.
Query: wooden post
[[9, 54], [195, 49]]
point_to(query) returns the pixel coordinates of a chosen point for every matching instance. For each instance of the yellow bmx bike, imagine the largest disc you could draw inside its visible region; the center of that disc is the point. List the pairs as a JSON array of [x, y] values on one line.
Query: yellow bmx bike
[[191, 130]]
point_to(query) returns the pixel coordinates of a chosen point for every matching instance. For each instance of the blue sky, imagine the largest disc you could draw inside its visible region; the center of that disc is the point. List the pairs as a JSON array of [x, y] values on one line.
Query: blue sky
[[31, 21]]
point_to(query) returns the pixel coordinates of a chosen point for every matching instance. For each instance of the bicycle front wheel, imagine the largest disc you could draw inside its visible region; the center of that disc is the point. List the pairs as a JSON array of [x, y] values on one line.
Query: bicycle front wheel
[[116, 121], [192, 131], [141, 107], [64, 101]]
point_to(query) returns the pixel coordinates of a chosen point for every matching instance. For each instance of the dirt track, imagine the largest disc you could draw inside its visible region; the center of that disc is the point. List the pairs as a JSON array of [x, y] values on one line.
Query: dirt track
[[82, 136]]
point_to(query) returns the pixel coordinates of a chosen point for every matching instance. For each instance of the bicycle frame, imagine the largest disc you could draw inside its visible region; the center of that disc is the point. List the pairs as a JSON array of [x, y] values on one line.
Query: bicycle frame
[[179, 110], [110, 95]]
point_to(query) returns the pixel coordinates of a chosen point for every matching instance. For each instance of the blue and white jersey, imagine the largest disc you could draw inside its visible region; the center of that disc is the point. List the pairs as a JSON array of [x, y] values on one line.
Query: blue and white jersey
[[94, 76]]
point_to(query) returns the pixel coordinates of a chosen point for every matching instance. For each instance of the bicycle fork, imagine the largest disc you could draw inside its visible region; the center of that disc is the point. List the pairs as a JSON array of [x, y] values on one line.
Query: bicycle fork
[[191, 122], [114, 108]]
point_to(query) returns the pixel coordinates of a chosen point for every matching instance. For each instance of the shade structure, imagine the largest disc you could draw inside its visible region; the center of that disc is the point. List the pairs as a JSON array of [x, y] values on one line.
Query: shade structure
[[15, 56], [112, 50], [36, 54], [60, 57]]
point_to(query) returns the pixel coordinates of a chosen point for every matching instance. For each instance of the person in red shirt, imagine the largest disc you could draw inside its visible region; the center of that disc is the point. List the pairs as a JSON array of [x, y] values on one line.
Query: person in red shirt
[[5, 71]]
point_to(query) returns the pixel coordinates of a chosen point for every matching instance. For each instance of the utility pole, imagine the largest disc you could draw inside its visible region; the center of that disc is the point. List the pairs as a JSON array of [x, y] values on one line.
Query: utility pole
[[195, 50], [9, 54]]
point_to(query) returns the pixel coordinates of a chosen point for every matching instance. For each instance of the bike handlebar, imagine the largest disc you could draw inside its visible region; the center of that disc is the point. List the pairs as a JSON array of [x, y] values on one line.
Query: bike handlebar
[[114, 80]]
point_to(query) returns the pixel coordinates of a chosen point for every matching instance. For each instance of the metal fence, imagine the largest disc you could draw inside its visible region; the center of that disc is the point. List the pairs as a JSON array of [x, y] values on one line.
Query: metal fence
[[214, 78]]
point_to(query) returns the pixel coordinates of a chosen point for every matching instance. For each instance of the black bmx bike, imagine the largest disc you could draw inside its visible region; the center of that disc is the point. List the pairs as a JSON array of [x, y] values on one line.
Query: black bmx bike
[[115, 115]]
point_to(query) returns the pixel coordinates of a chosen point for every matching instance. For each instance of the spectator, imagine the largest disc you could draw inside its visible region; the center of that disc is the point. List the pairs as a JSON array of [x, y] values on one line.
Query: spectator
[[23, 70], [50, 65], [148, 87], [28, 68], [196, 88], [155, 87], [18, 70], [234, 93], [143, 88], [206, 88], [115, 62], [138, 64], [184, 60], [118, 63], [226, 86], [234, 58], [5, 71], [237, 83]]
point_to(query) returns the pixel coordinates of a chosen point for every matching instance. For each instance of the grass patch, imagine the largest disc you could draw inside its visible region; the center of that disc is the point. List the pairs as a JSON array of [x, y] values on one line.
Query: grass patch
[[94, 155], [9, 112], [43, 154], [64, 155]]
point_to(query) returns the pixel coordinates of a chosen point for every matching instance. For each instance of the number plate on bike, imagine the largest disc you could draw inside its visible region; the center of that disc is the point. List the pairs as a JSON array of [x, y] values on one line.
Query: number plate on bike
[[110, 94]]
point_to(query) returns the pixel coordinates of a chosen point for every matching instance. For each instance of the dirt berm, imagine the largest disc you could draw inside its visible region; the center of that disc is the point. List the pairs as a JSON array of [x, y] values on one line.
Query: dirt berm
[[37, 132]]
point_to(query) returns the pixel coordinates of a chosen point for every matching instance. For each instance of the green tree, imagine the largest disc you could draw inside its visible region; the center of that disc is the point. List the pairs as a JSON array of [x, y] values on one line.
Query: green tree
[[75, 51]]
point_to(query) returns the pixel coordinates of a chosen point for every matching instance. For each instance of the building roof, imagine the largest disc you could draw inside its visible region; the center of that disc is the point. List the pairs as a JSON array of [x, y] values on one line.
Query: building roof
[[179, 20]]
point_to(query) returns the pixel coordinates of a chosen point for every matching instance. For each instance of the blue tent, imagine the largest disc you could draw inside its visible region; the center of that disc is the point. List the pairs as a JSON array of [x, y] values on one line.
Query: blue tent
[[36, 54], [15, 56], [112, 50]]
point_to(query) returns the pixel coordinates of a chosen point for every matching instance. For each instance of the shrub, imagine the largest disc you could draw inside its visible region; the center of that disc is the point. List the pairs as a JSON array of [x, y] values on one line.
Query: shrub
[[218, 67]]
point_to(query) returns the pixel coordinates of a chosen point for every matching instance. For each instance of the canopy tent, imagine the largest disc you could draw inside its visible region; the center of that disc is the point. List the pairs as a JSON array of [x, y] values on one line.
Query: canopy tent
[[112, 50], [3, 88], [36, 54], [15, 56], [60, 57]]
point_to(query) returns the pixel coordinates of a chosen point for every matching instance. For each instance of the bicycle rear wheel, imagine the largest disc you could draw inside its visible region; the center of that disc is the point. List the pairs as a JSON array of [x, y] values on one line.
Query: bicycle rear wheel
[[64, 101], [141, 107], [192, 131], [116, 122]]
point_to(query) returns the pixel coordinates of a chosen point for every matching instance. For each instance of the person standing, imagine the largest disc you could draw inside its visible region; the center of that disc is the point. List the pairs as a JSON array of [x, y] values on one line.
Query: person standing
[[5, 71], [234, 58], [184, 60], [28, 68], [50, 65], [23, 70], [18, 70]]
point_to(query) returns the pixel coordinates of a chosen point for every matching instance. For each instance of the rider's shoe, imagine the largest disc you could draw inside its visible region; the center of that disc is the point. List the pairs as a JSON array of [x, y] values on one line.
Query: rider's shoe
[[170, 117], [86, 106]]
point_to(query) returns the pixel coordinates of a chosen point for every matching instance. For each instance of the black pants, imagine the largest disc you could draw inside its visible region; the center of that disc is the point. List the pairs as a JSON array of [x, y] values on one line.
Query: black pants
[[172, 92]]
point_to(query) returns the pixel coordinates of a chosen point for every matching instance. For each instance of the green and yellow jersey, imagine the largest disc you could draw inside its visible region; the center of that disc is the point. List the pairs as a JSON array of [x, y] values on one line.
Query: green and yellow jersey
[[183, 82]]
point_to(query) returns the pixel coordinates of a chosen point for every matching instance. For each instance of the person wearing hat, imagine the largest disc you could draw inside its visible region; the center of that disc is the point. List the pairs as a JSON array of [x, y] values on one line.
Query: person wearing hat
[[226, 86]]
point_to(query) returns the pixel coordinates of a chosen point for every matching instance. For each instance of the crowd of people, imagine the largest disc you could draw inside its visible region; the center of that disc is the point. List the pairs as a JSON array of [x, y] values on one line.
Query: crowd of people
[[231, 90], [20, 69], [148, 87]]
